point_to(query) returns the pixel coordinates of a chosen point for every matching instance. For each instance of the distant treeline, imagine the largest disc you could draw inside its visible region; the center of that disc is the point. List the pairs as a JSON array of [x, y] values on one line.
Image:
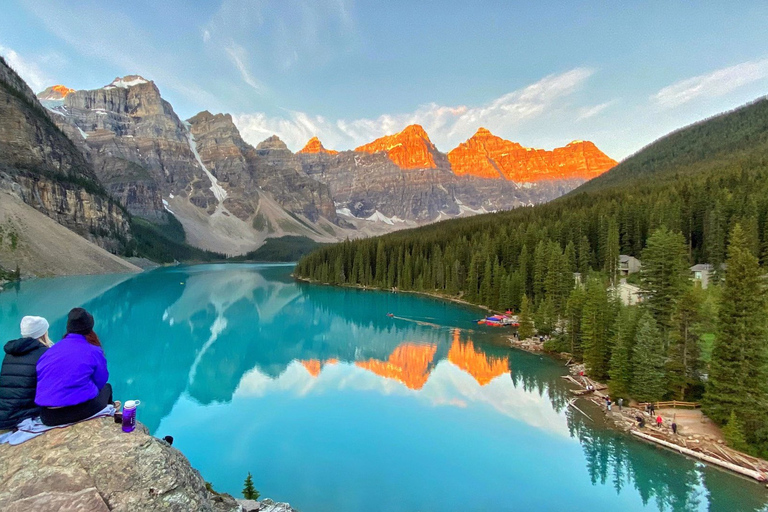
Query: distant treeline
[[285, 248], [673, 204]]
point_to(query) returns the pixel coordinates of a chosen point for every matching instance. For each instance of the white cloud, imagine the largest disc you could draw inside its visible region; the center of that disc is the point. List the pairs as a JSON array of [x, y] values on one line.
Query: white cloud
[[206, 36], [239, 56], [716, 83], [446, 125], [280, 35], [28, 70], [121, 43], [587, 112]]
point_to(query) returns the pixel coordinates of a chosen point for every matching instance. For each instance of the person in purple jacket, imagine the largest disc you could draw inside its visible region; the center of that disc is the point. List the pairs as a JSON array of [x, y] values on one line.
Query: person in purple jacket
[[72, 375]]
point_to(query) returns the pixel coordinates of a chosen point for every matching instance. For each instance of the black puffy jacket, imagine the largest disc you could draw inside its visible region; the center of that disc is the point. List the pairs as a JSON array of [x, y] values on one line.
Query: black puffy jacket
[[18, 381]]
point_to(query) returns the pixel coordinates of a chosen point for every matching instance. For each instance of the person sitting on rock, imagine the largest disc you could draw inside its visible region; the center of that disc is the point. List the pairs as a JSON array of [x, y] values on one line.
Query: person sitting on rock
[[72, 375], [18, 375]]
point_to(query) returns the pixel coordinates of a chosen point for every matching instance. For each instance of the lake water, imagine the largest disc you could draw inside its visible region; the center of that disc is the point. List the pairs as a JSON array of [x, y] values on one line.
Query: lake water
[[334, 406]]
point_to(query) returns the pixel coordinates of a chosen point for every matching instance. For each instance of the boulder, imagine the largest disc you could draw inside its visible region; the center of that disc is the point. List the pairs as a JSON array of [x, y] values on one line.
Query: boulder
[[94, 466]]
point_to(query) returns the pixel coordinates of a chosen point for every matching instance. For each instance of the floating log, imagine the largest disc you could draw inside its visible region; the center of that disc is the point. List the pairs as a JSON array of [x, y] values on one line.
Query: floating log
[[570, 403], [757, 475]]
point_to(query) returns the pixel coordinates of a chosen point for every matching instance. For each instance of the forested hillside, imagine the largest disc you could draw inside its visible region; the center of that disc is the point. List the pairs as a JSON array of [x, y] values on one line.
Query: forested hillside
[[673, 204]]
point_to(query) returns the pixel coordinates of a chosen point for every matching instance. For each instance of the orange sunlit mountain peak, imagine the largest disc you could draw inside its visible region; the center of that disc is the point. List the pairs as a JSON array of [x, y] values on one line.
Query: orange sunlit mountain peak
[[485, 155], [409, 364], [482, 367], [55, 92], [409, 149], [63, 90], [315, 146]]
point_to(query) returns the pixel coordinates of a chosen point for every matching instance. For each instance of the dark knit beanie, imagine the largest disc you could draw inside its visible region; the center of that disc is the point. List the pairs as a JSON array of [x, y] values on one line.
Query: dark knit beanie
[[79, 322]]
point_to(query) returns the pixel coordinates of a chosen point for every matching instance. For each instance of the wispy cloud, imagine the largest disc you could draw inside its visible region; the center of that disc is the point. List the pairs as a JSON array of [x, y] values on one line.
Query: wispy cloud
[[239, 56], [27, 69], [121, 43], [716, 83], [286, 33], [446, 125], [587, 112]]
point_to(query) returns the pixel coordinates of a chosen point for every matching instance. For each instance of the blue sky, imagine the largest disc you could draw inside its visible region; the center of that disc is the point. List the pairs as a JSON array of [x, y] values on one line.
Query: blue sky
[[540, 73]]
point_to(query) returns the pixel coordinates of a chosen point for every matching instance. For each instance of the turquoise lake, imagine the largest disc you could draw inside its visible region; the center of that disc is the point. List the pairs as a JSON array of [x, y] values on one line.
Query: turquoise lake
[[334, 406]]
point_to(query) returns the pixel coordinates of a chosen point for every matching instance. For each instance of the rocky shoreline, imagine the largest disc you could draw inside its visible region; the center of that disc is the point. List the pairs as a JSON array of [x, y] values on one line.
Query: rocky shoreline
[[698, 437]]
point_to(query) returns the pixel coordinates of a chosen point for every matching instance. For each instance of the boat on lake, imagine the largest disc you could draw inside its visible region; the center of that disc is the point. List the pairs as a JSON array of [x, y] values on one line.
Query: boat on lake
[[505, 320]]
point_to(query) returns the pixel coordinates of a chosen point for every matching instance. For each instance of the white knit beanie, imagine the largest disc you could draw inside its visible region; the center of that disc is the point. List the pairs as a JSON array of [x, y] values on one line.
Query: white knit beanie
[[33, 327]]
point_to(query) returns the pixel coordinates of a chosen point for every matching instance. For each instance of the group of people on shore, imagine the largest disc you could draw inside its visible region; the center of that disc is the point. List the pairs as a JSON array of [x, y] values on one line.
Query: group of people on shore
[[63, 382]]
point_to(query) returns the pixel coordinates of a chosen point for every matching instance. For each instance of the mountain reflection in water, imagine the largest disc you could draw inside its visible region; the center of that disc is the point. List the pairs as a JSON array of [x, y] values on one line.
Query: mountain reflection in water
[[332, 405]]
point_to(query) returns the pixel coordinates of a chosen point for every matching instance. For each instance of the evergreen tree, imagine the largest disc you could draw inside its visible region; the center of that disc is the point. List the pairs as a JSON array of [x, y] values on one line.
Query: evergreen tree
[[664, 273], [546, 317], [621, 372], [249, 491], [648, 378], [381, 264], [683, 356], [611, 263], [594, 328], [573, 314], [733, 432], [526, 329], [737, 377], [585, 257]]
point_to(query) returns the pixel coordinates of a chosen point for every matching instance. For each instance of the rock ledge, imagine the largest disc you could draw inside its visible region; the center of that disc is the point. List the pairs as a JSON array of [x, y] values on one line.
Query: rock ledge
[[94, 466]]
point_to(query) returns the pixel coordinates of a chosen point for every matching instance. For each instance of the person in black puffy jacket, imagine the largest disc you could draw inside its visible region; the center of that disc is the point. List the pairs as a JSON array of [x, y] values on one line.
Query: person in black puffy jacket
[[18, 374]]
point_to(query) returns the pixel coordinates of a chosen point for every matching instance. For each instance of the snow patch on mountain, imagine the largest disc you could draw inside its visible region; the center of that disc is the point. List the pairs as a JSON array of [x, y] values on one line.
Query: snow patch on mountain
[[218, 190], [380, 217], [126, 82]]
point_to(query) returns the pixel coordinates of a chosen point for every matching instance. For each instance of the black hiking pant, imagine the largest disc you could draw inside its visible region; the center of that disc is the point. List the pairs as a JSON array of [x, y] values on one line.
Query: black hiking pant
[[78, 412]]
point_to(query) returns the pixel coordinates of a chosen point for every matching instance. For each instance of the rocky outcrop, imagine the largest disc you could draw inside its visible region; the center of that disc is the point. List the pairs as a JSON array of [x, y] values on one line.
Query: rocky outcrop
[[94, 466], [485, 155], [266, 505], [52, 174], [315, 146]]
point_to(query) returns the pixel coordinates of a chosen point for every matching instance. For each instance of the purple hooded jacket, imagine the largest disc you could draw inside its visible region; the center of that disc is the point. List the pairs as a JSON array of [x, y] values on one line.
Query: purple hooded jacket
[[70, 372]]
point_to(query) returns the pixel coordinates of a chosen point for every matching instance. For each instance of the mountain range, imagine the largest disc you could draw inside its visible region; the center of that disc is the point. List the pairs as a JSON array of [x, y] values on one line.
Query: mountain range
[[200, 179]]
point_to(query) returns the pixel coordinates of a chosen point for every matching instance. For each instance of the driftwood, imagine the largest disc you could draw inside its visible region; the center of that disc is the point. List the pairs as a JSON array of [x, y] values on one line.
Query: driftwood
[[757, 475], [571, 403]]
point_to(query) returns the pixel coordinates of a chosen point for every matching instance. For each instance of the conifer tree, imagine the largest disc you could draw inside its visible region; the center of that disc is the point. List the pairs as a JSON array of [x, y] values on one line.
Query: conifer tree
[[545, 316], [737, 377], [733, 432], [585, 257], [594, 328], [683, 355], [611, 263], [573, 315], [620, 371], [381, 264], [648, 378], [472, 283], [525, 319], [664, 273], [249, 491]]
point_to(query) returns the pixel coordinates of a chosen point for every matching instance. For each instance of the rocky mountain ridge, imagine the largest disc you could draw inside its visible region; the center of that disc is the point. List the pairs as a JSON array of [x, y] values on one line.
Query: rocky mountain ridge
[[41, 166], [230, 196], [485, 155]]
